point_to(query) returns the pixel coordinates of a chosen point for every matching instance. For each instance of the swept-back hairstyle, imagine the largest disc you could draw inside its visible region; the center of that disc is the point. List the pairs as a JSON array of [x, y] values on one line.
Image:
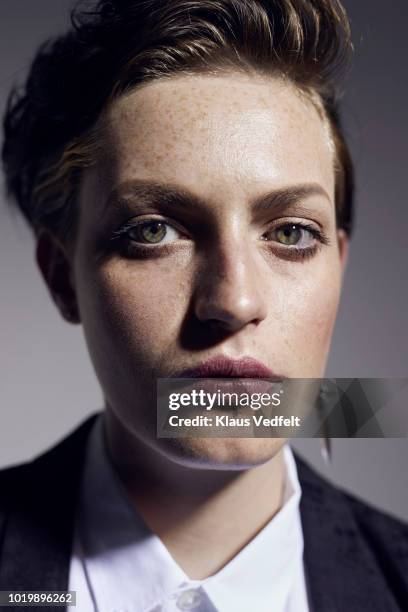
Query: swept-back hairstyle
[[51, 124]]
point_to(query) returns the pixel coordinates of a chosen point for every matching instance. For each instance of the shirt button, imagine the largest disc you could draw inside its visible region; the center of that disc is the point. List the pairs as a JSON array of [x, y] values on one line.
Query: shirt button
[[188, 600]]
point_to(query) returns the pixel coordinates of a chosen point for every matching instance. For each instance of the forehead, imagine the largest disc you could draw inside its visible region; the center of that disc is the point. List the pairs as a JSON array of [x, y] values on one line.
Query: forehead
[[218, 134]]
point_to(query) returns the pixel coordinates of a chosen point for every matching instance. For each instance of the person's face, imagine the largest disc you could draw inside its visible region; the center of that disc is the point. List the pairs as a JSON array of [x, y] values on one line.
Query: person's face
[[223, 274]]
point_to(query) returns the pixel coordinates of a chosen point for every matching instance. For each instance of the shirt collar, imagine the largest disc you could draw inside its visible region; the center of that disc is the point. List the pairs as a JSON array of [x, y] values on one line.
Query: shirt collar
[[128, 567]]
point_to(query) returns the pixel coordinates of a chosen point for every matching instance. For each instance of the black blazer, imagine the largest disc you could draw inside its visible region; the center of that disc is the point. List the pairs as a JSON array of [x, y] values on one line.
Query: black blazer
[[356, 557]]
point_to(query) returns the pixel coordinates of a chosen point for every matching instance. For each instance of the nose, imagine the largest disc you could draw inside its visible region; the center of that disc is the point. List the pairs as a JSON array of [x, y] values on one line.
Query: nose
[[229, 293]]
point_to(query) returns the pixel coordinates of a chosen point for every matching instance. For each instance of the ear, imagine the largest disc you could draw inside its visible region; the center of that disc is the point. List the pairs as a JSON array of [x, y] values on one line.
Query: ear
[[56, 269], [343, 246]]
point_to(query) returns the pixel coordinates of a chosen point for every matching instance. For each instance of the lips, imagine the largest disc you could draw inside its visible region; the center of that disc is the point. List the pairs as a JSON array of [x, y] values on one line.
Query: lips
[[221, 374], [225, 367]]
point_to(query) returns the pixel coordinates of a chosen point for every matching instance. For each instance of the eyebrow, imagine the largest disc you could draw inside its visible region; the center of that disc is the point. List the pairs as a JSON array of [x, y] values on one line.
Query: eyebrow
[[147, 191]]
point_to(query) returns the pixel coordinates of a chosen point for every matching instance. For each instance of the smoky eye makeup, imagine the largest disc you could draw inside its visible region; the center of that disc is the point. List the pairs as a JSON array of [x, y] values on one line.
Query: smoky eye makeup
[[295, 239], [151, 236]]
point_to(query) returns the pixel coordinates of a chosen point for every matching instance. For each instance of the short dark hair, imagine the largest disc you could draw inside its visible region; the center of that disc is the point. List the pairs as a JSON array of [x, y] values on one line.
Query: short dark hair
[[113, 46]]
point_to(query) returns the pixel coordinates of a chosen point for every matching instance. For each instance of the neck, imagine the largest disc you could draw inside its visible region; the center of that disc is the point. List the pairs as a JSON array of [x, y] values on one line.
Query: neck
[[216, 512]]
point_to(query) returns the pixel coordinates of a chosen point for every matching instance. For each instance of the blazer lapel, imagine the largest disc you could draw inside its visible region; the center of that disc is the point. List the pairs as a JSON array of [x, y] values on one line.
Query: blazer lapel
[[39, 524], [341, 572], [340, 569]]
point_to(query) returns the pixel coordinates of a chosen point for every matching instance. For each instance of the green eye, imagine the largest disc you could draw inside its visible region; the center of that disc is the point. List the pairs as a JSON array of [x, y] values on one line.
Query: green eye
[[289, 235], [151, 232]]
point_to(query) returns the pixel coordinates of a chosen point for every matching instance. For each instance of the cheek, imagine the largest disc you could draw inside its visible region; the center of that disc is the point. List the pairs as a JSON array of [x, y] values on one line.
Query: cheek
[[306, 311], [134, 311], [319, 317]]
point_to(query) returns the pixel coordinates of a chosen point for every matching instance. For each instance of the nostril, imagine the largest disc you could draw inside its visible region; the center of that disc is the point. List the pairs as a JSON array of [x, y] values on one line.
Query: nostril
[[216, 325]]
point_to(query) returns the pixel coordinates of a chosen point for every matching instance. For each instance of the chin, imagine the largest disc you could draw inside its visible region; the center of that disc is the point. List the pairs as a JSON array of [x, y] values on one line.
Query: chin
[[221, 453]]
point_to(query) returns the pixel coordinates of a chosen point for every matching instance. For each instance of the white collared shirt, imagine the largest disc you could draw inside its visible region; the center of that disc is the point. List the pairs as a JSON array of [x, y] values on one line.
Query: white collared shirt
[[119, 565]]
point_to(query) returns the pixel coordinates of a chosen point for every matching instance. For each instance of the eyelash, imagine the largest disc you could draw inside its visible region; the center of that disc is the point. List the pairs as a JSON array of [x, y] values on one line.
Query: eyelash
[[131, 248], [294, 253]]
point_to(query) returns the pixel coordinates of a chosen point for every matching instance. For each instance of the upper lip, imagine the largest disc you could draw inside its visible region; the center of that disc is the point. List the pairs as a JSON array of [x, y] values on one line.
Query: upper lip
[[221, 366]]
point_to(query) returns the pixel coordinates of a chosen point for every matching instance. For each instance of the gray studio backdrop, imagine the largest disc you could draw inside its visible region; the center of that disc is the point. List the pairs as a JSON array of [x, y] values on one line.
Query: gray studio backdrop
[[47, 382]]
